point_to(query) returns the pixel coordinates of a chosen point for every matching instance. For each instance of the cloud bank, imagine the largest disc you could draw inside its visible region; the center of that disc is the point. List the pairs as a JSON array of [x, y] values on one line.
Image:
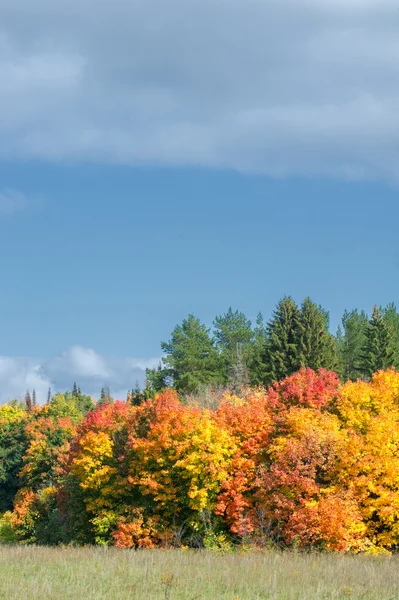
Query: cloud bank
[[278, 87], [90, 370]]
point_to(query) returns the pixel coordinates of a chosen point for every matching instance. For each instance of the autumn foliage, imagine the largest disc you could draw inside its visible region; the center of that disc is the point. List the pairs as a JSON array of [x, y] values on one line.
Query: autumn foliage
[[307, 463]]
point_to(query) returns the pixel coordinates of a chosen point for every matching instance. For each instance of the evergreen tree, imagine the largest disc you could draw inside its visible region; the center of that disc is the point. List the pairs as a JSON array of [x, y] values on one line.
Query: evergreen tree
[[391, 318], [256, 354], [233, 334], [350, 342], [137, 396], [157, 379], [13, 446], [28, 402], [34, 398], [105, 396], [191, 357], [317, 347], [377, 350], [49, 396], [84, 403], [232, 329], [75, 391], [282, 355]]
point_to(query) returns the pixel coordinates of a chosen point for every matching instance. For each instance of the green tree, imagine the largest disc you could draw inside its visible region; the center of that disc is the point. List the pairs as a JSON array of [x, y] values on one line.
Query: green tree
[[350, 342], [105, 396], [191, 356], [391, 318], [64, 405], [84, 403], [13, 445], [157, 379], [317, 345], [256, 354], [233, 334], [377, 350], [282, 355]]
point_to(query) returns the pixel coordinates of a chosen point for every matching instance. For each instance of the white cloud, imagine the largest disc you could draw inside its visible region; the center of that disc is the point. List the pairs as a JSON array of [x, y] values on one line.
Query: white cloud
[[83, 365], [279, 86]]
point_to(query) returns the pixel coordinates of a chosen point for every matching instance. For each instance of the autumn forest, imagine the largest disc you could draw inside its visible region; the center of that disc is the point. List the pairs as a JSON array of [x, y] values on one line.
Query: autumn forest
[[274, 435]]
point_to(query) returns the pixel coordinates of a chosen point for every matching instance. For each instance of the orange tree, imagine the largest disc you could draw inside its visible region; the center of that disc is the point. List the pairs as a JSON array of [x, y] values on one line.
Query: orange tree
[[152, 472]]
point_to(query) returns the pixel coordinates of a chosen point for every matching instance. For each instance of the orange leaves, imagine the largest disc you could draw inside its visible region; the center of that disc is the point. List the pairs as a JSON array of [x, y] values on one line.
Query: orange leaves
[[183, 459], [136, 531], [307, 463]]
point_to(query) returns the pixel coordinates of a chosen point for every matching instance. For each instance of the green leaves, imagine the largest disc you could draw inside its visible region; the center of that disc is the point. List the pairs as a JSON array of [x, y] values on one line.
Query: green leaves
[[191, 356]]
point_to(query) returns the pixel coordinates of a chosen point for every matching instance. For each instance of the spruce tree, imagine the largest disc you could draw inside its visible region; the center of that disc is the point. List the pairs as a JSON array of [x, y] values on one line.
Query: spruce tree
[[105, 396], [28, 402], [75, 390], [377, 350], [391, 318], [282, 350], [34, 398], [49, 395], [350, 341], [317, 347]]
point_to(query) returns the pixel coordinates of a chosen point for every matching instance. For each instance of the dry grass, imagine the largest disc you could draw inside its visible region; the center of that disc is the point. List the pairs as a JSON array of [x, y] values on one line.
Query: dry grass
[[96, 574]]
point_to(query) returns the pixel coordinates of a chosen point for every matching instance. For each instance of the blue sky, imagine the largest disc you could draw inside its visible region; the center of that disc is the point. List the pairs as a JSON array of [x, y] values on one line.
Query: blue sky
[[214, 155]]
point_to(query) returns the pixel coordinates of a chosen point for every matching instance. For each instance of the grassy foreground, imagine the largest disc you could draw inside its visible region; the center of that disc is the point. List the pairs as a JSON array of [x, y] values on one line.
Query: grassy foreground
[[96, 574]]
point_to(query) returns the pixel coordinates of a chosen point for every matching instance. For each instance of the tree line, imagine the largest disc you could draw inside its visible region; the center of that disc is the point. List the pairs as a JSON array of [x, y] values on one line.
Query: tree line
[[308, 463], [235, 353]]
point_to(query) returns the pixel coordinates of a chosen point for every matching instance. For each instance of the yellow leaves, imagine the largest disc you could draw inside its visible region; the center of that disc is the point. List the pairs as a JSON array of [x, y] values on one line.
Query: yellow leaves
[[369, 462], [91, 468], [11, 414], [184, 460], [360, 401]]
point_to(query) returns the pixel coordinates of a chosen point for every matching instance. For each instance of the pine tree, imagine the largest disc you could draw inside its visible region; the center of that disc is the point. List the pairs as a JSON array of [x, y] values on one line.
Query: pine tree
[[34, 398], [191, 357], [158, 379], [232, 330], [75, 391], [28, 402], [317, 347], [49, 396], [282, 355], [377, 350]]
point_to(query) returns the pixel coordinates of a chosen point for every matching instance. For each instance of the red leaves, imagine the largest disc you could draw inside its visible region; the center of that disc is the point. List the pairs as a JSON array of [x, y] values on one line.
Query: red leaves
[[305, 388], [306, 463]]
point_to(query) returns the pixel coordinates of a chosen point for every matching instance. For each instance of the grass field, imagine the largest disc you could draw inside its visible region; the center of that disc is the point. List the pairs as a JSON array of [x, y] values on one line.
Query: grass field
[[96, 574]]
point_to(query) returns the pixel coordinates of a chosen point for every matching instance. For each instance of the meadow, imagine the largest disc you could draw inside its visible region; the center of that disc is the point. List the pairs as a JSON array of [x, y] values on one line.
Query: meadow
[[99, 574]]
